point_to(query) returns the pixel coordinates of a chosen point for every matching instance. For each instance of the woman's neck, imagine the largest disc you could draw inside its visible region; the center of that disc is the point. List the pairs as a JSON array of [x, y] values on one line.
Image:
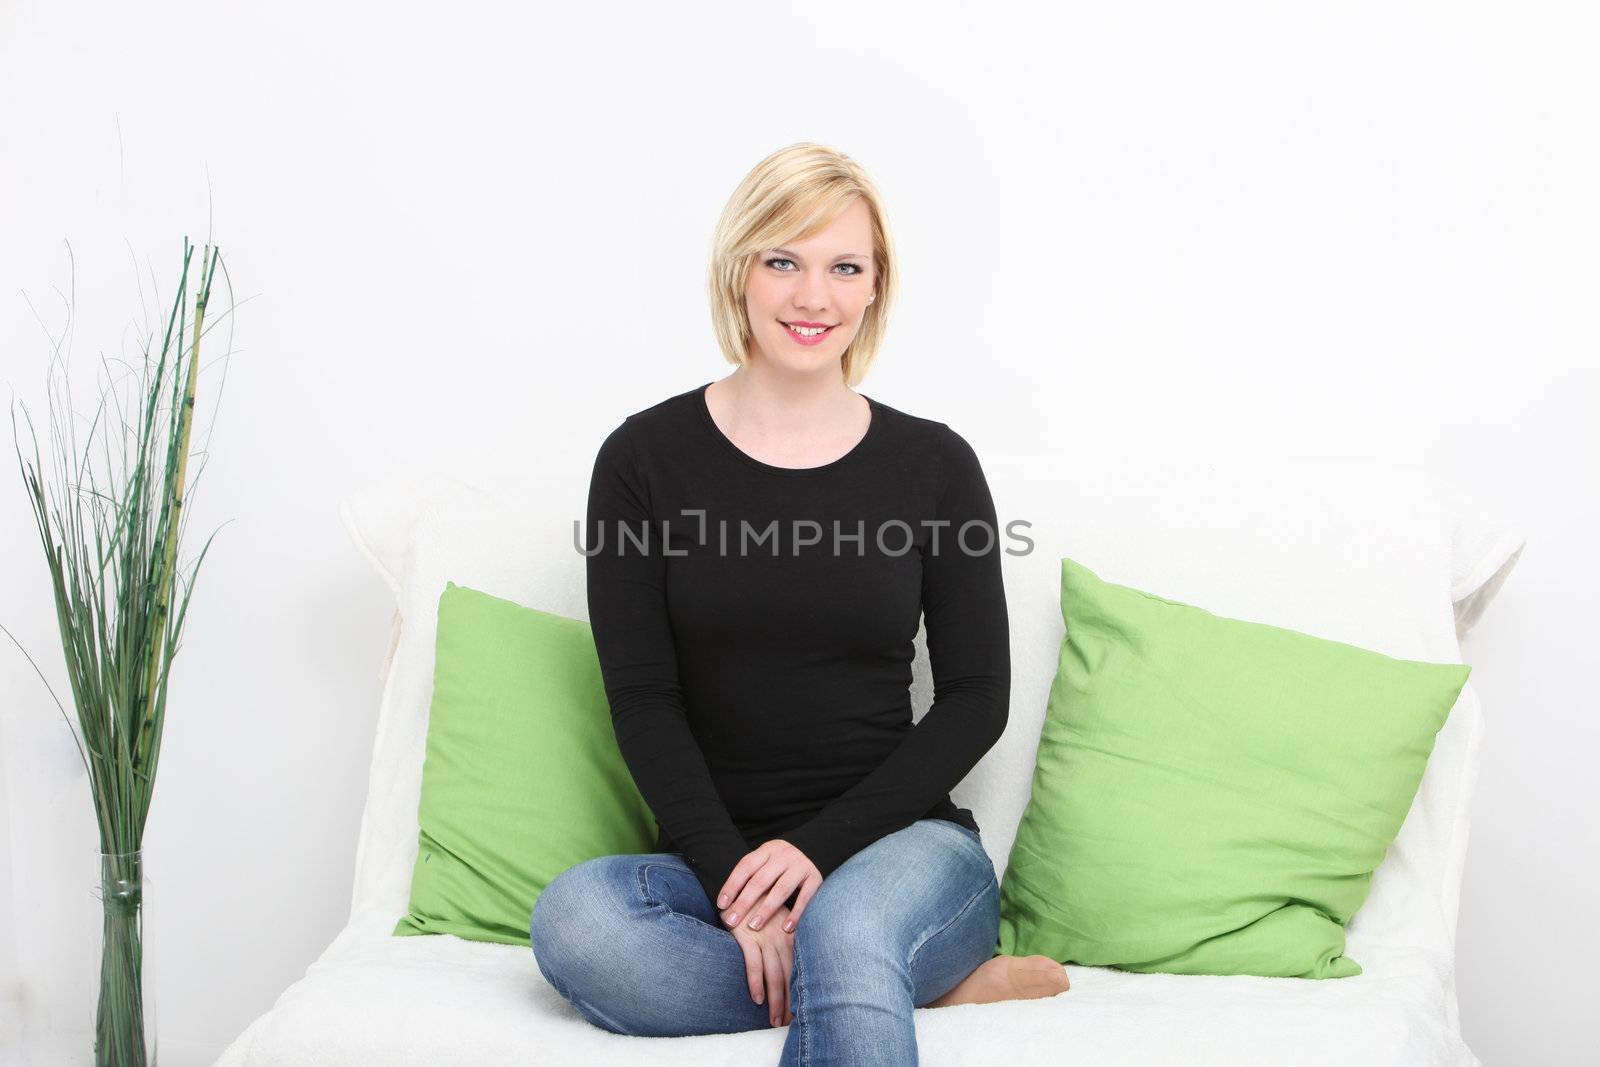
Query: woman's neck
[[803, 420]]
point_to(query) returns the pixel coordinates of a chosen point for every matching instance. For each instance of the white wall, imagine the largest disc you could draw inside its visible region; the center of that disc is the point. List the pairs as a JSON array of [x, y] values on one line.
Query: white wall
[[1365, 228]]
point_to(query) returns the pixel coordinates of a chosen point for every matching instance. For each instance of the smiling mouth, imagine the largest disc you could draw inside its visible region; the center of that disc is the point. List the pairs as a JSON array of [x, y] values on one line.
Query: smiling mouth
[[807, 331]]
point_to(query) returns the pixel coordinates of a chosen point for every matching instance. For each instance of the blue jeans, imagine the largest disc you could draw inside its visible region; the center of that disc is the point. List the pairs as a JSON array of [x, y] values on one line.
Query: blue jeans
[[632, 942]]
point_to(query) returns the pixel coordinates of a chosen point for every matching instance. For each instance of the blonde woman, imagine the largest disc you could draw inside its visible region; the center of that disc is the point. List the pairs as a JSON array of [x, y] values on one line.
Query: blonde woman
[[762, 549]]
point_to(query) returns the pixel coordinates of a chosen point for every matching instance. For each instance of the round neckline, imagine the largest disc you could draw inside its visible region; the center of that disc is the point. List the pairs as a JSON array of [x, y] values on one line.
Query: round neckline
[[875, 417]]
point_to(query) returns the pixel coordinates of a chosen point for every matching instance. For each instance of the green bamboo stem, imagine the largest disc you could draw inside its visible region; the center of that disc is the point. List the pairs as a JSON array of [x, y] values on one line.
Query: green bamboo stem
[[143, 751]]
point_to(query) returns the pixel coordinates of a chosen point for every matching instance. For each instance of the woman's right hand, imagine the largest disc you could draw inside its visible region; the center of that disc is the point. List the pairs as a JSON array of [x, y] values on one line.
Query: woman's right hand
[[768, 961]]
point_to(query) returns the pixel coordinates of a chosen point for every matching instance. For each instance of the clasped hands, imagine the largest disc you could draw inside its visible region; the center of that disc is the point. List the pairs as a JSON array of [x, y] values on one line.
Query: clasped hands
[[751, 903]]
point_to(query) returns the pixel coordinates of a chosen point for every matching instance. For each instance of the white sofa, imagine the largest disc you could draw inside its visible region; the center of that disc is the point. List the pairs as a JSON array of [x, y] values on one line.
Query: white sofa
[[1373, 554]]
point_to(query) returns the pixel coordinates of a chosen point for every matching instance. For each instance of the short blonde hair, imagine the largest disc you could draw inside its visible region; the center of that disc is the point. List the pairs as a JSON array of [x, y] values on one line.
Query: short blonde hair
[[790, 195]]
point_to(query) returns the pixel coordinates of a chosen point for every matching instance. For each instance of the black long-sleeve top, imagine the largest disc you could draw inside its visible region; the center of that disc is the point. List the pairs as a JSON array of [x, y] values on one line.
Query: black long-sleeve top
[[755, 629]]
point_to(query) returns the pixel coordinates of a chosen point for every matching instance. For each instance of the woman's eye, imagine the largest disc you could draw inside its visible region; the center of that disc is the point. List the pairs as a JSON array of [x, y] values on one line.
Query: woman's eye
[[855, 268]]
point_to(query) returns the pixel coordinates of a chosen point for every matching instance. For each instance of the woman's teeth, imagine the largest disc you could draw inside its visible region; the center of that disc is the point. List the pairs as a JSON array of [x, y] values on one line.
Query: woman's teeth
[[808, 331]]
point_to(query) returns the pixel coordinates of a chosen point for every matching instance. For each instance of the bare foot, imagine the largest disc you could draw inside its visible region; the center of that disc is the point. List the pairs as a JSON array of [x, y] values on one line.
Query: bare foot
[[1008, 978]]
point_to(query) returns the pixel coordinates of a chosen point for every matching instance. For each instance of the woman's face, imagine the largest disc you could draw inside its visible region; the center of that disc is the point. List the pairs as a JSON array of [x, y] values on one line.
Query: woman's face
[[824, 280]]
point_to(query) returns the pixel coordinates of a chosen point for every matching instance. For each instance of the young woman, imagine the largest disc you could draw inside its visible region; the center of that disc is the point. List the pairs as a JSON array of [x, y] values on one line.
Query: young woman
[[762, 550]]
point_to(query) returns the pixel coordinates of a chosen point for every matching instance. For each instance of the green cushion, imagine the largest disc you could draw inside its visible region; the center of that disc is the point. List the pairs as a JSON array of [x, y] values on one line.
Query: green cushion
[[522, 777], [1211, 795]]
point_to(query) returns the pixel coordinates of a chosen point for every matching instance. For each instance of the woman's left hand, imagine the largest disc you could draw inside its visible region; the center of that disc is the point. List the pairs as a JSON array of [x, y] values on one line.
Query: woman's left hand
[[761, 882]]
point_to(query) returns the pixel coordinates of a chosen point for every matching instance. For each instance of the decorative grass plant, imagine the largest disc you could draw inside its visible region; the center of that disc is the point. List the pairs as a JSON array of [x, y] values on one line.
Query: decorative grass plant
[[111, 544]]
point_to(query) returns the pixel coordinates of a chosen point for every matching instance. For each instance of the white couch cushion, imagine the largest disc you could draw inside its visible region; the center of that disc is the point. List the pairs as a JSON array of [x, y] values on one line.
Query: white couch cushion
[[439, 1001]]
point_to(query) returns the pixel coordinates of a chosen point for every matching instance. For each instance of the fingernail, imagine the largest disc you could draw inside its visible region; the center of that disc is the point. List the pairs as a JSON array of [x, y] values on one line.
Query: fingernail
[[733, 918], [755, 924], [722, 901], [789, 926], [760, 998]]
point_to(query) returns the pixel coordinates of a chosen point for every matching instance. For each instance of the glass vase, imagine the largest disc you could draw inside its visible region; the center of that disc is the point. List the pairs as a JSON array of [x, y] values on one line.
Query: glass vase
[[125, 1016]]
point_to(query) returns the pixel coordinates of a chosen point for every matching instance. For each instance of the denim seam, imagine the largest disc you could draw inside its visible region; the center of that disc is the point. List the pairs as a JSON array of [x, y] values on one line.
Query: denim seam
[[600, 1018], [802, 1025], [911, 963]]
